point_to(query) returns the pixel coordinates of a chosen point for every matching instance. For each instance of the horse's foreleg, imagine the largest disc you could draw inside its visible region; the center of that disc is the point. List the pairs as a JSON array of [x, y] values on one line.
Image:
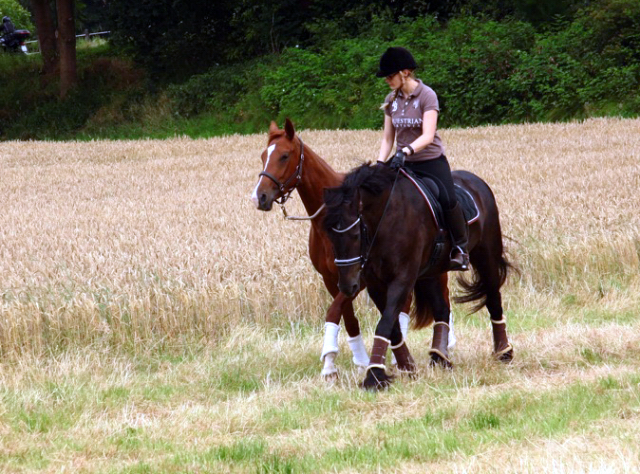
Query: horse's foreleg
[[355, 341], [331, 330], [388, 333], [401, 355], [443, 336]]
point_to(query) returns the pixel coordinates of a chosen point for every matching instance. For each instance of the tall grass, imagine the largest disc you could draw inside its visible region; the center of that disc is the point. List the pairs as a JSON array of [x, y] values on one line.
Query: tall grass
[[153, 321], [156, 242]]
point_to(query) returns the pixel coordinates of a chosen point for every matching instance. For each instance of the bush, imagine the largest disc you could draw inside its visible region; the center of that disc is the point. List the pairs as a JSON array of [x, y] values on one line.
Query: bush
[[334, 88], [484, 71]]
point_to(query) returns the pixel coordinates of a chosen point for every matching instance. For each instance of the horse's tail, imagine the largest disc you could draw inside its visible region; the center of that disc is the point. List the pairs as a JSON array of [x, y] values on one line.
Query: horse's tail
[[488, 277], [422, 311]]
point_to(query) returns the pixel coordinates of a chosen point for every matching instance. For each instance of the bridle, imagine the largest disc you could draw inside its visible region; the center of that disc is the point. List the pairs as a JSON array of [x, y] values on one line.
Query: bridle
[[365, 245], [297, 175], [364, 251]]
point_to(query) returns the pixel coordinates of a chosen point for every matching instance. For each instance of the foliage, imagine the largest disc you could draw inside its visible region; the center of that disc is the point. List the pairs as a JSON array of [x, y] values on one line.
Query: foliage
[[483, 70], [332, 88], [19, 15], [30, 107], [172, 39]]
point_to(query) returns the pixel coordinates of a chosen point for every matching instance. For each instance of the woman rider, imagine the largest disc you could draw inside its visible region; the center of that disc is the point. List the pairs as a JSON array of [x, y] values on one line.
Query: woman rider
[[411, 118]]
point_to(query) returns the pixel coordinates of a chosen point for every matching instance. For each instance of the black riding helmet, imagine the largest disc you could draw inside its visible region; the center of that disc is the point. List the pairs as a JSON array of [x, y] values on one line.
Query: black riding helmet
[[395, 59]]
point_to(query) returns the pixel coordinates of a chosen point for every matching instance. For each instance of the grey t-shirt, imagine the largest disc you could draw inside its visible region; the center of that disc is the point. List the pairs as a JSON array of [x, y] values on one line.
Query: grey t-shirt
[[406, 114]]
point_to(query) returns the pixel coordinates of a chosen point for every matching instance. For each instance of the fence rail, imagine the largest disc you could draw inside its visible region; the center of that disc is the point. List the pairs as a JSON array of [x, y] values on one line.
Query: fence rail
[[87, 36]]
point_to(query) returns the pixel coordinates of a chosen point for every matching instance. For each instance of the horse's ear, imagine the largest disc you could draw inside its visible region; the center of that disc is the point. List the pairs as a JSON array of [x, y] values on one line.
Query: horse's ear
[[273, 127], [288, 129]]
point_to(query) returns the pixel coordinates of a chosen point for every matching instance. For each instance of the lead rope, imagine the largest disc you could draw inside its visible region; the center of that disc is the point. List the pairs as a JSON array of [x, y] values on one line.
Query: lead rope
[[301, 218]]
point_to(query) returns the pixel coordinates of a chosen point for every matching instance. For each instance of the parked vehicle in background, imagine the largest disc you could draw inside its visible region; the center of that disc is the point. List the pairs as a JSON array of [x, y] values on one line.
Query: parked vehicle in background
[[13, 40]]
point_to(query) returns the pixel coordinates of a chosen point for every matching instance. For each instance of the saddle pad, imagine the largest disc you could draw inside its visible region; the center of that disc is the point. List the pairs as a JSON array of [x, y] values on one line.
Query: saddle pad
[[469, 207]]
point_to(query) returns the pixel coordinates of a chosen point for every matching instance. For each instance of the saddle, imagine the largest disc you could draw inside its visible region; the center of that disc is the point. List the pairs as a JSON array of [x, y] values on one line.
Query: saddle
[[429, 191]]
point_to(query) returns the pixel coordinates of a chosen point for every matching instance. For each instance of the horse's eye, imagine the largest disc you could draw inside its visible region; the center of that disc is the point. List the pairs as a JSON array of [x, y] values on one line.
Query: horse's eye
[[284, 157]]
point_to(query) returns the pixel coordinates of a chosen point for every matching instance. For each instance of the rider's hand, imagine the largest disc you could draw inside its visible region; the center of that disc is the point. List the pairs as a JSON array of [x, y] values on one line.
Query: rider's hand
[[398, 160]]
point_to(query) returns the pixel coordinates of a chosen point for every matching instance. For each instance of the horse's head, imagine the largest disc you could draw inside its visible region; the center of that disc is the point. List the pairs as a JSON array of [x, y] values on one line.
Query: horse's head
[[347, 234], [282, 161], [353, 214]]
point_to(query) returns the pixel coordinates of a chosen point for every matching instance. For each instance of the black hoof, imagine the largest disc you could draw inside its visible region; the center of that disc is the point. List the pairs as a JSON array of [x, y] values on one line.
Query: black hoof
[[438, 359], [376, 380], [505, 357]]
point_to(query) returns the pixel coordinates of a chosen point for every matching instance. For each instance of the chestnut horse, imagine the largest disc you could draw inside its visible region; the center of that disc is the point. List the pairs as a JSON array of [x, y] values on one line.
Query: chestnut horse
[[384, 234], [291, 165]]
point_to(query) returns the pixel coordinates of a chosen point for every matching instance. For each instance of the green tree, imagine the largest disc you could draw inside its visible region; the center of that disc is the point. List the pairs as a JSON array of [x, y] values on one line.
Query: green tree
[[173, 39], [19, 15]]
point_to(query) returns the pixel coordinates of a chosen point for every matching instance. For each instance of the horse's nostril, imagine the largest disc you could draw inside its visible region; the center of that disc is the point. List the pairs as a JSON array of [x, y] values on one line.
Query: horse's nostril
[[263, 198]]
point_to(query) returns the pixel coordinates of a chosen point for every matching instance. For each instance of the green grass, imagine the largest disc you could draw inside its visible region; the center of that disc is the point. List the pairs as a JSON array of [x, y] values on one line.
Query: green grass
[[263, 408]]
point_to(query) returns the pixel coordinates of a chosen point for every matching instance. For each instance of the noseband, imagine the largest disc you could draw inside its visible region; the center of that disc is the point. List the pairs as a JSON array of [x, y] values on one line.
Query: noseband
[[362, 259], [297, 175]]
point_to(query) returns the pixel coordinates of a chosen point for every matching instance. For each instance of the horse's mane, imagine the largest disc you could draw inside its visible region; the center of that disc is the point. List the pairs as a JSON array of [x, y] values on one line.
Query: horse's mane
[[374, 179]]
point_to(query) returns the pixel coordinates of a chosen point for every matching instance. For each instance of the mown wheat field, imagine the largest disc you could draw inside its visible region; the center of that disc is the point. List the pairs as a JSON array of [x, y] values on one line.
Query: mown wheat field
[[154, 321]]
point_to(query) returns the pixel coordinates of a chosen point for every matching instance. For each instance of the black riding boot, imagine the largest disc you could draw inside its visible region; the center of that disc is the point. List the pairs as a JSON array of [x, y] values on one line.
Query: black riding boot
[[460, 236]]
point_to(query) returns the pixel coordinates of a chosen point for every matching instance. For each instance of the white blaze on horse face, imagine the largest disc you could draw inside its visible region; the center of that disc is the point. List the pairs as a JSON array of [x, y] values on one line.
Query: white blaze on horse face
[[254, 195]]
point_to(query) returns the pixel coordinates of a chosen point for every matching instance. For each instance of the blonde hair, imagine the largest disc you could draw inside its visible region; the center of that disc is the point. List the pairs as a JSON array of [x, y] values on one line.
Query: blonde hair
[[395, 96]]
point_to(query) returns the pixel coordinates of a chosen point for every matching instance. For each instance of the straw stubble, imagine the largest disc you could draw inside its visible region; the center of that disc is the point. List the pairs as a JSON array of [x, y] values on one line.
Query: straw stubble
[[126, 242]]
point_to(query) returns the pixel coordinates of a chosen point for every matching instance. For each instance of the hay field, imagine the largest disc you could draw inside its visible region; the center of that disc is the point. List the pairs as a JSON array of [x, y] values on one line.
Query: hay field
[[153, 321]]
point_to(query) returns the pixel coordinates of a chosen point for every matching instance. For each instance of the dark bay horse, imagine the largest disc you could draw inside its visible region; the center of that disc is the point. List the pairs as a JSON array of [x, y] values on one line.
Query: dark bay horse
[[291, 165], [384, 234]]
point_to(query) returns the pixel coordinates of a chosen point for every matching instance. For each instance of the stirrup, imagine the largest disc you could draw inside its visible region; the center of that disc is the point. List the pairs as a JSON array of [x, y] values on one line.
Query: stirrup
[[460, 262]]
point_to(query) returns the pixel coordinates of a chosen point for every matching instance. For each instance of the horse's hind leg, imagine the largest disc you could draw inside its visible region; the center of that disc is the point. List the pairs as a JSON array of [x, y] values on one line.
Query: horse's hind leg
[[502, 348], [439, 352], [491, 270]]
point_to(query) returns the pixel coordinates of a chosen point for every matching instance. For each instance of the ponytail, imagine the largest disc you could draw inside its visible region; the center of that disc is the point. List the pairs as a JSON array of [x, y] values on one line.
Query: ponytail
[[395, 96]]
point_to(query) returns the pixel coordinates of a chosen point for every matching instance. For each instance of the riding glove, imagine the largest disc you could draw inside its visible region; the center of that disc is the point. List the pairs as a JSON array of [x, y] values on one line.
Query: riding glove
[[398, 160]]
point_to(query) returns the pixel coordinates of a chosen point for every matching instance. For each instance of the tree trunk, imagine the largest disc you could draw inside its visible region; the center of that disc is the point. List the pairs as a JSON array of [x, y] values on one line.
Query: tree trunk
[[67, 44], [46, 35]]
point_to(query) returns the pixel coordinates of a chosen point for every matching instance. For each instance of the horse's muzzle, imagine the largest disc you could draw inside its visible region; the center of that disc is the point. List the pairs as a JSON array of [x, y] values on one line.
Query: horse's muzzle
[[349, 289], [264, 204], [262, 201]]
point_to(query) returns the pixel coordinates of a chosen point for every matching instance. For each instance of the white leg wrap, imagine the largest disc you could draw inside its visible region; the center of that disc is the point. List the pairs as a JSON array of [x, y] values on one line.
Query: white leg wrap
[[452, 337], [329, 367], [404, 324], [360, 356], [330, 345]]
